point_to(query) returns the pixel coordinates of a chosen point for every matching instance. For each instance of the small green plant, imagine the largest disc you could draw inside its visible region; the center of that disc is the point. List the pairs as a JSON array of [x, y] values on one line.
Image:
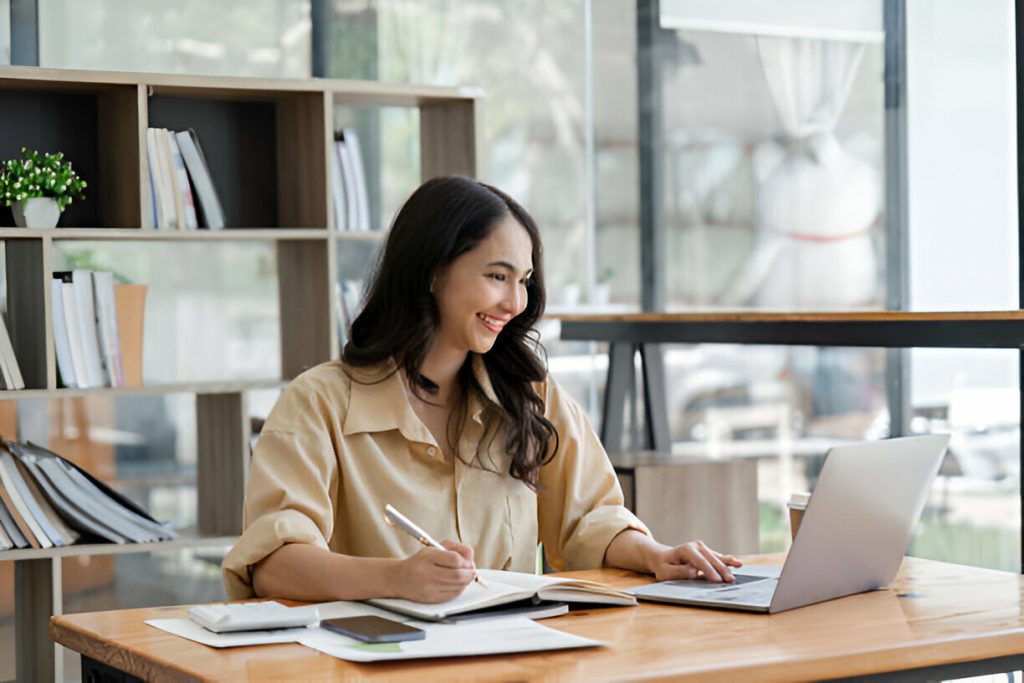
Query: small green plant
[[40, 175]]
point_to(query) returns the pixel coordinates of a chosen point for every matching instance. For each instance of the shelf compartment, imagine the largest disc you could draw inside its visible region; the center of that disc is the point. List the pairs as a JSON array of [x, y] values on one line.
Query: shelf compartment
[[87, 123], [27, 261], [266, 152]]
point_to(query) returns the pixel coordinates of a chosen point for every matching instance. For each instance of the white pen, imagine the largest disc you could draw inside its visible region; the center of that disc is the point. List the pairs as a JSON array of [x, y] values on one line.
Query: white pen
[[396, 518]]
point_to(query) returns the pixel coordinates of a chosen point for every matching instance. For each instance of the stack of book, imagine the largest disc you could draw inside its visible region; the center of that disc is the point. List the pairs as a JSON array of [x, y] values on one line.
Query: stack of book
[[10, 373], [348, 180], [47, 501], [90, 343], [181, 188]]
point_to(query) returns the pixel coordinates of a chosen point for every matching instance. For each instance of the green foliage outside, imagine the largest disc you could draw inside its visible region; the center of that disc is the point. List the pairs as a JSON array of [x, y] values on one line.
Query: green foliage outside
[[40, 175]]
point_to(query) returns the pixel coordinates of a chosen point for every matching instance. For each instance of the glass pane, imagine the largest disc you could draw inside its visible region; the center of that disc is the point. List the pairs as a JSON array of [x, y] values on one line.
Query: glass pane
[[528, 59], [961, 114], [773, 161], [266, 37], [5, 41], [786, 406], [211, 308]]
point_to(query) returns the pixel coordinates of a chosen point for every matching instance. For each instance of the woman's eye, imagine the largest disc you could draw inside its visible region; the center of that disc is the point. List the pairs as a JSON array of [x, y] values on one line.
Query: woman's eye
[[500, 277], [526, 282]]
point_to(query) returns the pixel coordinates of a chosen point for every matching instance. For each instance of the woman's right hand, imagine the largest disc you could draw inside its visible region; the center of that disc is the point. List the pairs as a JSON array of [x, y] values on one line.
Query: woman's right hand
[[433, 575]]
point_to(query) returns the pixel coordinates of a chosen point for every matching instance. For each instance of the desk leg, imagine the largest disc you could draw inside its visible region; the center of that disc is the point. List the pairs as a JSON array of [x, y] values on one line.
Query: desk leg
[[37, 595], [620, 378], [655, 399]]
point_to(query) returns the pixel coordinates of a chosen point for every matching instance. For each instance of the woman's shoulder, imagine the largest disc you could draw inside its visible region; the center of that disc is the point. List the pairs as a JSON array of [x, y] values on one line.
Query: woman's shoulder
[[337, 376]]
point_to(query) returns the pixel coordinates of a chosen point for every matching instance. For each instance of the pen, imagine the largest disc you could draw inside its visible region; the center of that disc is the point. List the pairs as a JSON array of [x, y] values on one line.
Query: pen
[[396, 518]]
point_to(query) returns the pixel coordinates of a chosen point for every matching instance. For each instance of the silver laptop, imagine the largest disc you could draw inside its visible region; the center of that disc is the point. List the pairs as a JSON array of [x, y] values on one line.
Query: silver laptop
[[852, 538]]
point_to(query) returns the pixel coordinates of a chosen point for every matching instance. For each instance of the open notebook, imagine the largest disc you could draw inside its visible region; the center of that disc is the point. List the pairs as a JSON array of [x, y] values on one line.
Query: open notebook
[[507, 587]]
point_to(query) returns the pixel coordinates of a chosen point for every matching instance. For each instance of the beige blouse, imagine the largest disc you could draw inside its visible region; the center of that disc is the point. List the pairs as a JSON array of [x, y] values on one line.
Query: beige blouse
[[342, 442]]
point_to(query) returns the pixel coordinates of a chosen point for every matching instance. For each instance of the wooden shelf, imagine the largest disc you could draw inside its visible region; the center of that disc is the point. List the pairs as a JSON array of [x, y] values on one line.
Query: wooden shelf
[[228, 387], [118, 234], [261, 89], [267, 144], [117, 548], [362, 235]]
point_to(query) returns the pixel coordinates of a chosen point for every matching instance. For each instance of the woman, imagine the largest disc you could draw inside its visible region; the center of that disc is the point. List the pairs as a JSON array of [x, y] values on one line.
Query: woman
[[441, 407]]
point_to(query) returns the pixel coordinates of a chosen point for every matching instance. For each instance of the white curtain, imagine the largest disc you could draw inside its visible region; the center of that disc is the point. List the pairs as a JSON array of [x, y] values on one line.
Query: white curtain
[[815, 202], [809, 81]]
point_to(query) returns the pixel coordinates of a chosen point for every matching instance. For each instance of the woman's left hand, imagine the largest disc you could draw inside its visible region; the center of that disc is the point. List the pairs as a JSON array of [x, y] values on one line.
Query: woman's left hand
[[690, 561]]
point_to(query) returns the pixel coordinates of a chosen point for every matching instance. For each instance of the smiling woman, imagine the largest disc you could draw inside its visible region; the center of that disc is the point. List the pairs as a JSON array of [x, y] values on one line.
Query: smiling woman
[[440, 404]]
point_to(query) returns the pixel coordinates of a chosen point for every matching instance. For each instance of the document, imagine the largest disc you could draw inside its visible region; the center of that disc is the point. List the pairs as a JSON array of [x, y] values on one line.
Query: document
[[478, 637], [487, 637], [503, 587]]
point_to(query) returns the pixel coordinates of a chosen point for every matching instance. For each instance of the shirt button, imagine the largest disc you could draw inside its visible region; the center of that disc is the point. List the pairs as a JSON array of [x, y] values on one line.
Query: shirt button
[[431, 451]]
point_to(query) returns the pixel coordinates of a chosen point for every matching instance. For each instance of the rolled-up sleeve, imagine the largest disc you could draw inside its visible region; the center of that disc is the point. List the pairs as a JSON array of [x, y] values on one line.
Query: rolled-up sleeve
[[293, 483], [580, 503]]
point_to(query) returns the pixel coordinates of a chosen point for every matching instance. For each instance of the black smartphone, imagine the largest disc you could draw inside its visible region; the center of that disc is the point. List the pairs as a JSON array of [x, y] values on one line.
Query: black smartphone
[[371, 629]]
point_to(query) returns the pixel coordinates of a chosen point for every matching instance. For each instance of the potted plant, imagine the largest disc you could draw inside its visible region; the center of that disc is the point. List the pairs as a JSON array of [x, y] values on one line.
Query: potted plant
[[38, 187]]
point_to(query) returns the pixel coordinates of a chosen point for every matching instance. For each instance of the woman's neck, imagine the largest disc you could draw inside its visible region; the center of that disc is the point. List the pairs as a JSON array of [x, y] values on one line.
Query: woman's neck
[[442, 368]]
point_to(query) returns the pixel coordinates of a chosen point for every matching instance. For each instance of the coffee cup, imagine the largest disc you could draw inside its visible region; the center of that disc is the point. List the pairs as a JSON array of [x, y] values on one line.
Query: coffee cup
[[797, 504]]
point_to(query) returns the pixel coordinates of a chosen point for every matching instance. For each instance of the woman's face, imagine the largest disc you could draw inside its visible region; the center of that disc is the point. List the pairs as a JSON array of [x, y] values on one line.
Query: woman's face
[[482, 290]]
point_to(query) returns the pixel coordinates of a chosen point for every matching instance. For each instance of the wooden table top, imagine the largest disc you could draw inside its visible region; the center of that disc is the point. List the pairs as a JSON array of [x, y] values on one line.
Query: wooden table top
[[933, 614]]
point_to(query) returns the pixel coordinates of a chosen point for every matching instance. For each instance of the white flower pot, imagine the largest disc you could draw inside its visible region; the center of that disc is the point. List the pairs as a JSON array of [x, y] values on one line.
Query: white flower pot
[[37, 212]]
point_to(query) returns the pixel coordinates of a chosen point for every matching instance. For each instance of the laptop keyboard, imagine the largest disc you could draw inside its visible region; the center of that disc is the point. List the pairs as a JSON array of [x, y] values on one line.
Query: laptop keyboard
[[703, 584]]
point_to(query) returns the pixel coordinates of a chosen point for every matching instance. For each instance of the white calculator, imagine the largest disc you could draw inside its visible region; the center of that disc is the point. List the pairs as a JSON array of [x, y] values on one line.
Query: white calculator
[[252, 616]]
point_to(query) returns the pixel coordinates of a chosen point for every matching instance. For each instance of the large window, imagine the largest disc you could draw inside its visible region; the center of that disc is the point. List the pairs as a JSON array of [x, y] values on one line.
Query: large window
[[838, 158]]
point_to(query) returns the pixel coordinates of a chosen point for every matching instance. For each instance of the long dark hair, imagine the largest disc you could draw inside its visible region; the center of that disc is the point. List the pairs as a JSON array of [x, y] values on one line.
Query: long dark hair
[[443, 219]]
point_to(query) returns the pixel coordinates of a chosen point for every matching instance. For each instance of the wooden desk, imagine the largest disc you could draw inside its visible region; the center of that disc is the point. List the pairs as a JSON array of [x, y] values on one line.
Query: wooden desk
[[954, 620]]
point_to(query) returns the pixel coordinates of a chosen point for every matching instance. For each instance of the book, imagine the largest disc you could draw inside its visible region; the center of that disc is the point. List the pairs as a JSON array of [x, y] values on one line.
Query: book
[[337, 190], [153, 161], [10, 360], [202, 182], [18, 494], [130, 307], [167, 212], [62, 533], [106, 324], [18, 539], [5, 541], [67, 291], [348, 181], [362, 197], [19, 522], [505, 587], [78, 511], [171, 174], [6, 378], [185, 201], [82, 282], [127, 517], [61, 342], [55, 488], [85, 503]]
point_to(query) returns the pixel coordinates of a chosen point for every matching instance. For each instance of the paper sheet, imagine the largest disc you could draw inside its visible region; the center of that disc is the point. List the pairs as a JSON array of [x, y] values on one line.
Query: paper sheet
[[477, 637], [493, 636]]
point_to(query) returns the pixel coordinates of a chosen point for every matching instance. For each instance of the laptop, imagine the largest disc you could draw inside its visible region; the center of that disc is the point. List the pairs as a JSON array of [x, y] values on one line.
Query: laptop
[[852, 538]]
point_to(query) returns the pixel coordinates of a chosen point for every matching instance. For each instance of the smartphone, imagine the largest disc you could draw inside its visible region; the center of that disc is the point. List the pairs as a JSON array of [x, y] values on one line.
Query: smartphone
[[371, 629]]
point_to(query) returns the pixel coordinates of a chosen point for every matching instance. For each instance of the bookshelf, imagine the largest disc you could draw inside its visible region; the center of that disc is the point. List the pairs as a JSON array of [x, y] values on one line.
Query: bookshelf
[[266, 142]]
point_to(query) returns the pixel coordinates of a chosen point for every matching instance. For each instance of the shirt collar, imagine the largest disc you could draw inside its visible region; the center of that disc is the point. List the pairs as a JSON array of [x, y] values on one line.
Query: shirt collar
[[378, 402]]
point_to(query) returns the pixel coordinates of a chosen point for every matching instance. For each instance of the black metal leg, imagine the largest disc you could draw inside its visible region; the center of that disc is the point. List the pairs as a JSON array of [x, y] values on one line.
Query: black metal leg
[[656, 430], [620, 378]]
